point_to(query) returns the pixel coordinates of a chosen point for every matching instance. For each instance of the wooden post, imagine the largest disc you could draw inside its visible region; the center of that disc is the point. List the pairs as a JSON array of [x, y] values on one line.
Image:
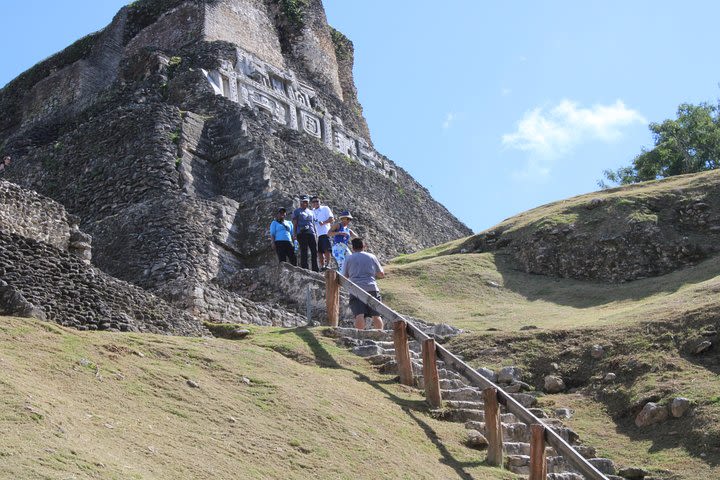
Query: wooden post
[[493, 428], [430, 374], [332, 297], [402, 352], [538, 465]]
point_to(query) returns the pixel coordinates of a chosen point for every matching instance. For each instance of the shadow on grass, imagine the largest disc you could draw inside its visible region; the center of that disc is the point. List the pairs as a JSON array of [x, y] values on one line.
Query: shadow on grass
[[588, 293], [323, 358]]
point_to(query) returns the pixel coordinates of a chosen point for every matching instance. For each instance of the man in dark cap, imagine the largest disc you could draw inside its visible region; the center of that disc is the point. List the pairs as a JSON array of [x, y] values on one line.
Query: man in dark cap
[[304, 223]]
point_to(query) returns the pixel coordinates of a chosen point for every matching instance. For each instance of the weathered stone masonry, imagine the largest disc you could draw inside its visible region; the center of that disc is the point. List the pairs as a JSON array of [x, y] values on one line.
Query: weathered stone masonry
[[293, 104], [173, 134]]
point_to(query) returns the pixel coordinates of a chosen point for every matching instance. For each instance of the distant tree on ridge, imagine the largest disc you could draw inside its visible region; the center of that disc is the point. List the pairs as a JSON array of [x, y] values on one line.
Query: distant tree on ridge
[[688, 144]]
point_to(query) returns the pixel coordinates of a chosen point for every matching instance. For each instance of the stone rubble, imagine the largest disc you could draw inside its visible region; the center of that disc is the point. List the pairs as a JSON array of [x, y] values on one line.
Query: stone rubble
[[651, 414]]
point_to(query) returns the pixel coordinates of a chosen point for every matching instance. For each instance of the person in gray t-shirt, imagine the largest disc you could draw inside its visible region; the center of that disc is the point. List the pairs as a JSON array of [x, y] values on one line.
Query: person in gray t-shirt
[[362, 268]]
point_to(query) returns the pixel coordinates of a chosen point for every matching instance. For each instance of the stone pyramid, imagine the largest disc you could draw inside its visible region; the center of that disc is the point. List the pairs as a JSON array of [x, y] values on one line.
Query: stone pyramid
[[174, 133]]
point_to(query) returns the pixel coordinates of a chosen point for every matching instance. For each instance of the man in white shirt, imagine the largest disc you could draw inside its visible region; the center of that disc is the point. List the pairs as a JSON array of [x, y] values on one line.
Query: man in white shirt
[[323, 221]]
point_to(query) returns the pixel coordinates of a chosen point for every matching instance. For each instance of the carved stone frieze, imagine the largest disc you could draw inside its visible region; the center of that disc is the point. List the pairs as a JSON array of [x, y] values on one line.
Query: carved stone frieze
[[292, 103]]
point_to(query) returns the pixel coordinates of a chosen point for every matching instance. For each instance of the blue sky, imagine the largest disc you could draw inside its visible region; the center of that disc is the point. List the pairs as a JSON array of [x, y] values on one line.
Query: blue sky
[[496, 107]]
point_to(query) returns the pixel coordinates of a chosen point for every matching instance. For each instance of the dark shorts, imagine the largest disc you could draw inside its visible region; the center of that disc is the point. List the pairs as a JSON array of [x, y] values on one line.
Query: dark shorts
[[324, 244], [358, 307]]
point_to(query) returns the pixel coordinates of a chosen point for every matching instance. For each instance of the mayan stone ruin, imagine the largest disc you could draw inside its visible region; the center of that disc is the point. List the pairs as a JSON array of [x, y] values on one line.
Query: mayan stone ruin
[[169, 138]]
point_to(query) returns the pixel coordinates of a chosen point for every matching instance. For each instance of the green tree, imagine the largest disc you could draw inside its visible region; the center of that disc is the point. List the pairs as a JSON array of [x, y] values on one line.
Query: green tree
[[688, 144]]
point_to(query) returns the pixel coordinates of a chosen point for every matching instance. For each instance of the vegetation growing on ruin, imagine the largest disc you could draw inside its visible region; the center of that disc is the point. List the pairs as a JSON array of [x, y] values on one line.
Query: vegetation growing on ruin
[[343, 46], [289, 20], [294, 12]]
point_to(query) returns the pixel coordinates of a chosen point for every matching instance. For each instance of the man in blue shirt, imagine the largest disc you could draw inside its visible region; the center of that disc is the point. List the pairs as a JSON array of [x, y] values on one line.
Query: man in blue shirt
[[304, 222], [282, 237]]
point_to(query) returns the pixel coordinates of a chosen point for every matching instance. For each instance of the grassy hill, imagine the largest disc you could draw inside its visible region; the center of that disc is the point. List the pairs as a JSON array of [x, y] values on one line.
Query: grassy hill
[[545, 324], [283, 403]]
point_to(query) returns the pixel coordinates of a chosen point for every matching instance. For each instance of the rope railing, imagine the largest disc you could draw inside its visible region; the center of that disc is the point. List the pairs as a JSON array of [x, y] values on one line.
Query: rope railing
[[493, 394]]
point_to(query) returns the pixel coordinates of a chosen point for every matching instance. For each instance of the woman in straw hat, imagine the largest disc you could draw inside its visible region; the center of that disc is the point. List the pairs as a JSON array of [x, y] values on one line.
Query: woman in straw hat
[[341, 234]]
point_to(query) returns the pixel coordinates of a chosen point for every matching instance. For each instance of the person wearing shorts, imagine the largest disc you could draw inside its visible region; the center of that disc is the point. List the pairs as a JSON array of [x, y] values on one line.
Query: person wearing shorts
[[362, 268], [323, 220]]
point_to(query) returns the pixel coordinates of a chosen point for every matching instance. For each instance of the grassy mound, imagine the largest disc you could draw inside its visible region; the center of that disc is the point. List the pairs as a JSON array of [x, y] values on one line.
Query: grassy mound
[[282, 403], [650, 327]]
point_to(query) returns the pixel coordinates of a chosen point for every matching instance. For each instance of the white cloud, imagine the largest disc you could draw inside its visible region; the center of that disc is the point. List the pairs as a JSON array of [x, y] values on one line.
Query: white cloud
[[505, 91], [449, 119], [553, 132], [534, 171]]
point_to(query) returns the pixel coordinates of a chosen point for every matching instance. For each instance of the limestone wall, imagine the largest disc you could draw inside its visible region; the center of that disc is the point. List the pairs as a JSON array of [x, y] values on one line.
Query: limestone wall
[[173, 29], [31, 215], [316, 48], [65, 290], [247, 23], [28, 214]]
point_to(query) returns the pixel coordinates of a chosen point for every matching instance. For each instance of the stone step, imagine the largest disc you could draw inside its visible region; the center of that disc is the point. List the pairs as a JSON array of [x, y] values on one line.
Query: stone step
[[463, 404], [467, 394], [586, 451], [479, 425], [368, 350], [512, 431], [443, 373], [523, 448], [450, 374], [381, 359], [520, 464], [460, 415], [377, 335], [558, 464], [605, 465], [565, 476], [452, 384], [525, 399]]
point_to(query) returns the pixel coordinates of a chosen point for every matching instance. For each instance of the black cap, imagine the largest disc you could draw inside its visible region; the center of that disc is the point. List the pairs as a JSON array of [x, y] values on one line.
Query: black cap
[[281, 209]]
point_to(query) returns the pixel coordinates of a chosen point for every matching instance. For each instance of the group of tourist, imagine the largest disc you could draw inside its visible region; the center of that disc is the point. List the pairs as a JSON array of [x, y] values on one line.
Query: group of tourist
[[311, 231], [314, 229]]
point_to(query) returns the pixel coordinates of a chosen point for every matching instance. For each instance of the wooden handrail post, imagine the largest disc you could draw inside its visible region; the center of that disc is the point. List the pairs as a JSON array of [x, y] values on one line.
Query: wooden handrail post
[[332, 297], [538, 465], [402, 352], [430, 374], [493, 427]]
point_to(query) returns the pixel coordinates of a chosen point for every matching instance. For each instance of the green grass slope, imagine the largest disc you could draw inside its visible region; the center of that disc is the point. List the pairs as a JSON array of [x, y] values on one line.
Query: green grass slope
[[548, 325], [283, 403]]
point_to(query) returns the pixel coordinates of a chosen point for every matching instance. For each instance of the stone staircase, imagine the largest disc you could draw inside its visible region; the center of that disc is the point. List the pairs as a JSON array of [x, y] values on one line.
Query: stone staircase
[[464, 404]]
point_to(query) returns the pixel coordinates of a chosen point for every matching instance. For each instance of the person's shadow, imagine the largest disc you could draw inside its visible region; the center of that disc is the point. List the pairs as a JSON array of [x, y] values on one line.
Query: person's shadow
[[324, 359]]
